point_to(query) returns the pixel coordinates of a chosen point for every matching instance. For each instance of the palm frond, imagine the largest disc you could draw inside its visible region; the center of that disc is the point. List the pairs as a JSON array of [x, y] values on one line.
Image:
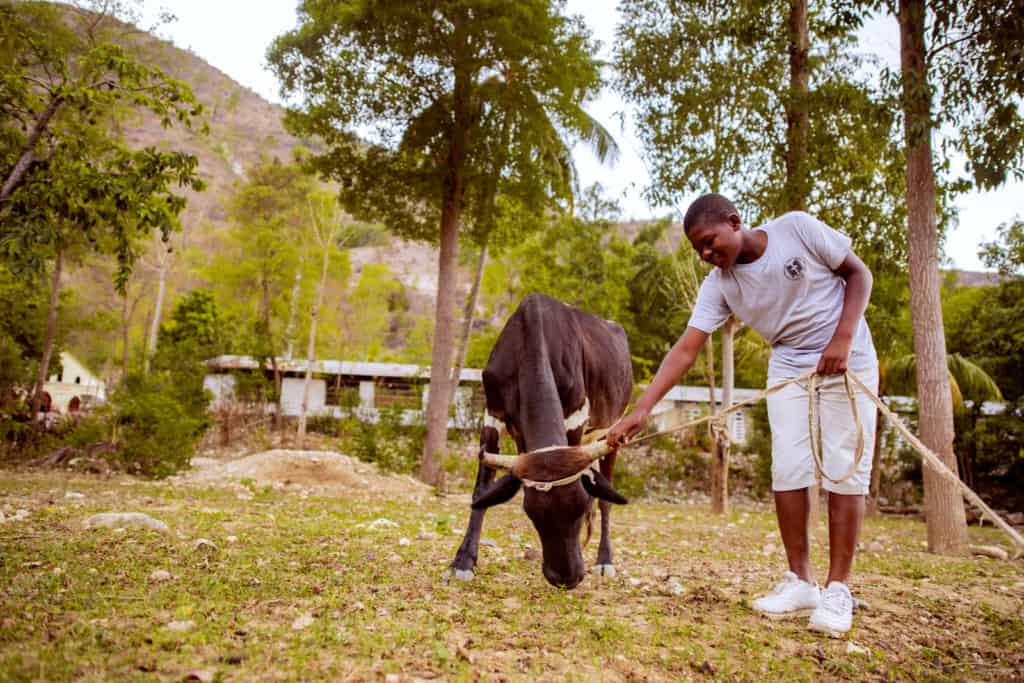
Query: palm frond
[[967, 380], [598, 138]]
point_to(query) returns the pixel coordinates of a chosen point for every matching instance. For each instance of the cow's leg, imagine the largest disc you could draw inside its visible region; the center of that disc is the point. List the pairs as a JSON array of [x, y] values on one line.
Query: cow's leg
[[604, 566], [465, 559]]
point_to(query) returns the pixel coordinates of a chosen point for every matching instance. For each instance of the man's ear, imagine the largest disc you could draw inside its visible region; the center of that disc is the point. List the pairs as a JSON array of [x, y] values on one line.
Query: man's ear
[[735, 222]]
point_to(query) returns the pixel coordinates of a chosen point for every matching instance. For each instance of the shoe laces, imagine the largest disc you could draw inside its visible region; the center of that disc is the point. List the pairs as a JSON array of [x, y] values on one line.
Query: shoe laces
[[836, 600], [788, 580]]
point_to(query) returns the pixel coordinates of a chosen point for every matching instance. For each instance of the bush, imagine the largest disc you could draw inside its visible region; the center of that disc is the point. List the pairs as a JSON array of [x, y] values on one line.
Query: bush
[[758, 450], [668, 465], [388, 443], [157, 422]]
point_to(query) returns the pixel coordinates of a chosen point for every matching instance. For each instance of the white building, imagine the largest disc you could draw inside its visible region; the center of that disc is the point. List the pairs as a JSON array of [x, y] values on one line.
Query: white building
[[74, 380], [338, 387]]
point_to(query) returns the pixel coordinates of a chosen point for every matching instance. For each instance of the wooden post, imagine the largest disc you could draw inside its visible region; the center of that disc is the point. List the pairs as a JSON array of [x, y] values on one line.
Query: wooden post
[[720, 446]]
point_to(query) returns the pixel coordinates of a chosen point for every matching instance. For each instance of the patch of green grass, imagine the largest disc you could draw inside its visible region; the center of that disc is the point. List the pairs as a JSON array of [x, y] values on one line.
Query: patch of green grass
[[316, 588]]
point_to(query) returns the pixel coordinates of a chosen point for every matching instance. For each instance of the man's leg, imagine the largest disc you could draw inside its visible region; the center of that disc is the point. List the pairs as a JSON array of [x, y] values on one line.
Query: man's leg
[[791, 508], [846, 501], [845, 514]]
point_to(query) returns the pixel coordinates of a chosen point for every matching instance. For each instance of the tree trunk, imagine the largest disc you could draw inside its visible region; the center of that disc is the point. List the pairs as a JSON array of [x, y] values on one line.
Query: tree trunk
[[51, 332], [453, 189], [125, 316], [709, 371], [720, 454], [273, 354], [441, 360], [944, 507], [797, 118], [289, 330], [154, 327], [312, 345], [28, 151], [467, 323]]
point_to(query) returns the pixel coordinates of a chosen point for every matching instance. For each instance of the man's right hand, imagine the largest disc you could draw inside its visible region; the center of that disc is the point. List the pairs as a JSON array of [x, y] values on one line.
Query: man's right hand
[[627, 427]]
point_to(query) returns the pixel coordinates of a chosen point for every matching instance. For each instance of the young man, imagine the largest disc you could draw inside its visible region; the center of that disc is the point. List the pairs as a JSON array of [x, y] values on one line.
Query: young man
[[797, 283]]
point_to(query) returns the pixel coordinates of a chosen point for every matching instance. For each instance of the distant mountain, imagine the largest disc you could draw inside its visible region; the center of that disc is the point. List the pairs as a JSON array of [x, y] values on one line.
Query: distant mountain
[[976, 278], [243, 127]]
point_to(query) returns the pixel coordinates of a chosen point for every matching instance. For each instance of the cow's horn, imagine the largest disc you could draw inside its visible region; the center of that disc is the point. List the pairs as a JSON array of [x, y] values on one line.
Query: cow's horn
[[508, 462], [597, 449]]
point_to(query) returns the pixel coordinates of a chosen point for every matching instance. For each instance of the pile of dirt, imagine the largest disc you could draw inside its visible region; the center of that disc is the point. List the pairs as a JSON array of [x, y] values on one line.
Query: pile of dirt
[[326, 471]]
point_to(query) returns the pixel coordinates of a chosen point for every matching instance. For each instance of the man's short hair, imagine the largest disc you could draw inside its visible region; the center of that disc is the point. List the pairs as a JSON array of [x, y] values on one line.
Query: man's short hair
[[708, 208]]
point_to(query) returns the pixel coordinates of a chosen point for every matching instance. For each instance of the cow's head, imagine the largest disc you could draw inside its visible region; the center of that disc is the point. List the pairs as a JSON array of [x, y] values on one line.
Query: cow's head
[[559, 513]]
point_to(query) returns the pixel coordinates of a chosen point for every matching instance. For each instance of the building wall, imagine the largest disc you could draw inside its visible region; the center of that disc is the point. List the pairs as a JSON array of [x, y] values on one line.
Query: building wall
[[668, 414], [74, 380], [291, 396]]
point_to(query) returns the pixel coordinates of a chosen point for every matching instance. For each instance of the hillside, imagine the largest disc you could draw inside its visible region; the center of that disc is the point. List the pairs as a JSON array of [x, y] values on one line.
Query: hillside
[[243, 128]]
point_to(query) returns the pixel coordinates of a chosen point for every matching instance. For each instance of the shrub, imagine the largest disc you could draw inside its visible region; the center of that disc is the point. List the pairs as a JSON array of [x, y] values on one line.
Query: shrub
[[328, 425], [758, 450], [157, 422], [388, 443]]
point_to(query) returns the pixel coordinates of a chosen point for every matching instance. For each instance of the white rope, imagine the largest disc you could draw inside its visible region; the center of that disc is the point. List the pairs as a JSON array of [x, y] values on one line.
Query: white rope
[[814, 427], [545, 486], [936, 463], [718, 425]]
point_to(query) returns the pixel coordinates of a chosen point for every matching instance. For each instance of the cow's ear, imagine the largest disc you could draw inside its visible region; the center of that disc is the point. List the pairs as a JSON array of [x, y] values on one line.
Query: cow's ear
[[601, 488], [497, 493]]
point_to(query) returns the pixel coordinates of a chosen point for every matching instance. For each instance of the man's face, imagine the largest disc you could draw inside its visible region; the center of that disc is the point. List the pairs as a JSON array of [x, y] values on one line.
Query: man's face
[[718, 242]]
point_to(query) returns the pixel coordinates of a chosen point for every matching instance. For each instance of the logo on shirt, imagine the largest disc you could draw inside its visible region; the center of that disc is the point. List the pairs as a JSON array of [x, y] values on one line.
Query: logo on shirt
[[794, 268]]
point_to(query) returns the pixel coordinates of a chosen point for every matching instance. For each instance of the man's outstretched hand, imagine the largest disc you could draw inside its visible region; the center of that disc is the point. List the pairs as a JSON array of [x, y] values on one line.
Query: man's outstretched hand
[[626, 428]]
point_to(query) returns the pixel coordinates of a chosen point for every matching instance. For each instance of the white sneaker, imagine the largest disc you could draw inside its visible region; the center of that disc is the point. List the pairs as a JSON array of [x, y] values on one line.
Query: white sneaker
[[834, 614], [792, 597]]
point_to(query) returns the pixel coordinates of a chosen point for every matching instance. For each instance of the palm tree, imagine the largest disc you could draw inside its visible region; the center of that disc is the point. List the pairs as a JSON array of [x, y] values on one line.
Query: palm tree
[[970, 386], [519, 134]]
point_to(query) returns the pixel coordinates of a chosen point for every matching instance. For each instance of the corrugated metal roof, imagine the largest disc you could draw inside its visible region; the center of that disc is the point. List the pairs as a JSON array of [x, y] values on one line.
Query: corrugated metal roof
[[679, 393], [339, 367]]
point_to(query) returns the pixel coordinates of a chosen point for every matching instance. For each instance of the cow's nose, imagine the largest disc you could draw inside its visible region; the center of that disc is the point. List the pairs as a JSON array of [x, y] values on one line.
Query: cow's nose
[[559, 580]]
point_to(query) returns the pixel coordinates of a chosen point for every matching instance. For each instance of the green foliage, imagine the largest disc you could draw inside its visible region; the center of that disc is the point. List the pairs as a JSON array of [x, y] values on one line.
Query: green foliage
[[195, 328], [668, 467], [371, 312], [157, 419], [23, 307], [1007, 253], [986, 324], [978, 77], [711, 82], [581, 260], [419, 344], [69, 181], [759, 449], [457, 103], [255, 274], [967, 380], [661, 295], [389, 443]]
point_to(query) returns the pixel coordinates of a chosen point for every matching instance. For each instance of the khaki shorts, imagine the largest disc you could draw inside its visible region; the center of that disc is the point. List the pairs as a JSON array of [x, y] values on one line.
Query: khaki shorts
[[792, 463]]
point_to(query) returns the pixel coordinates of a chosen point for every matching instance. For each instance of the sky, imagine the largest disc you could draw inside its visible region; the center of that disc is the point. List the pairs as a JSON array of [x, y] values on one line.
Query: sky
[[212, 30]]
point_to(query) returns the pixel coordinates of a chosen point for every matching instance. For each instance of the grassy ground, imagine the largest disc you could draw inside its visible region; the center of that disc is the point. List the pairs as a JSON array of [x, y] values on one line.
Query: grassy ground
[[303, 587]]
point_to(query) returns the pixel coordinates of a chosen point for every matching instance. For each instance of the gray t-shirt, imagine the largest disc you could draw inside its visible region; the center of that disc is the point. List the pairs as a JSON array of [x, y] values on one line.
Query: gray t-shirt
[[790, 295]]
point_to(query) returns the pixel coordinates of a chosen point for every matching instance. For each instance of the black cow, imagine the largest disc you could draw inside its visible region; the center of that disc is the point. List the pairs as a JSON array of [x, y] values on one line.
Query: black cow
[[554, 373]]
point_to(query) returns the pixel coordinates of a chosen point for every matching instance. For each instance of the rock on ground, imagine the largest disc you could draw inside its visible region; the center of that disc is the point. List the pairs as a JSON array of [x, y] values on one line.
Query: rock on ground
[[115, 520]]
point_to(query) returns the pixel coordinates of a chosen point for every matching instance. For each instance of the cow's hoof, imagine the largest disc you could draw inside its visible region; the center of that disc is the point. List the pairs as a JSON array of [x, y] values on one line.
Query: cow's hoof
[[462, 574], [604, 570]]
